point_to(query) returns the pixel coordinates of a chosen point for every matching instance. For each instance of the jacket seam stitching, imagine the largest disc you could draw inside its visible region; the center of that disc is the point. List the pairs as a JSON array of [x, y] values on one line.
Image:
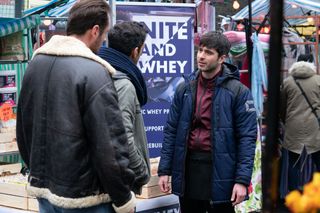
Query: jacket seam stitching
[[90, 99]]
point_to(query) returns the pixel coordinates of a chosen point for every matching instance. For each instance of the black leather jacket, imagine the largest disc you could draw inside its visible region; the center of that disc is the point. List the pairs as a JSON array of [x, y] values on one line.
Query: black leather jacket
[[70, 133]]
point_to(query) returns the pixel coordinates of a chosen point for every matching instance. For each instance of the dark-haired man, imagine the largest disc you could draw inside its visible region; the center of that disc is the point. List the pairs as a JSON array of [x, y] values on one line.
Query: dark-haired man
[[126, 42], [210, 136], [69, 128]]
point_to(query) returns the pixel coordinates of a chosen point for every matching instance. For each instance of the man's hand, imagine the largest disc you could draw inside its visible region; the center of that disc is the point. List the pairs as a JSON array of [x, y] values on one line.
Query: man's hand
[[239, 193], [164, 183]]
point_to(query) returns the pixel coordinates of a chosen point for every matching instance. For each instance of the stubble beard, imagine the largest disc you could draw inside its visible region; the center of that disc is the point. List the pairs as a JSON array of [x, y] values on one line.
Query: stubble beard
[[210, 69]]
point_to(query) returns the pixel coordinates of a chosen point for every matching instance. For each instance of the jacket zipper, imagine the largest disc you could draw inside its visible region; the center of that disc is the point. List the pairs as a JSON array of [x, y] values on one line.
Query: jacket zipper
[[214, 112], [186, 140]]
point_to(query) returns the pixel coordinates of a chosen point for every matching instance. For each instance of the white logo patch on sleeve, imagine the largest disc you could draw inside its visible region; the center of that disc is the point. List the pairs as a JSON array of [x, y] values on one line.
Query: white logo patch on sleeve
[[250, 106]]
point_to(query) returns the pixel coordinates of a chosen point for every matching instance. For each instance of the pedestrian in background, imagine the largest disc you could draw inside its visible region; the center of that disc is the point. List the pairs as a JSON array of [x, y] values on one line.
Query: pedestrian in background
[[306, 57], [126, 42], [69, 128], [299, 112], [210, 136]]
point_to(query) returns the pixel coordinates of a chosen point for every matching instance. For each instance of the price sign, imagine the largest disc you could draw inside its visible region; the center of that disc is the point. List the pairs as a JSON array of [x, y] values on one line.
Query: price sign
[[6, 112]]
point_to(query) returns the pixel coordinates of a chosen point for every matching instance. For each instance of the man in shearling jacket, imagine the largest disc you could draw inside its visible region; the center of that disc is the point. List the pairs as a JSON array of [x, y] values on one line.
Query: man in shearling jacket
[[210, 135], [126, 42], [69, 128]]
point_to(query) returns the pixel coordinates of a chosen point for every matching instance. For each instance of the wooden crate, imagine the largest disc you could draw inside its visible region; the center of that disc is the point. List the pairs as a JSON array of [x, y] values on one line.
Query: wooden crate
[[8, 147], [6, 137], [154, 163], [33, 204], [17, 202], [15, 189], [8, 130], [14, 201], [9, 168], [13, 193], [151, 189]]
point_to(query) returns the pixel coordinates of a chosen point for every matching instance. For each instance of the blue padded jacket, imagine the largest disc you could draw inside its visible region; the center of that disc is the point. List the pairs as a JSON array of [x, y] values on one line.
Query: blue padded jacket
[[234, 133]]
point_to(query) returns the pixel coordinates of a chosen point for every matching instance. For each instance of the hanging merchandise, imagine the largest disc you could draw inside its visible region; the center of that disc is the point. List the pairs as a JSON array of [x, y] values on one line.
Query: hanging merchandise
[[254, 203], [205, 17], [258, 84], [259, 74]]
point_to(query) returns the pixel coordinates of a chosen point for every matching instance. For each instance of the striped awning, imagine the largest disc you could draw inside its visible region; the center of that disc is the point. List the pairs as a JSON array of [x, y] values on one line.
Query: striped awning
[[52, 9], [63, 10], [301, 8], [9, 26]]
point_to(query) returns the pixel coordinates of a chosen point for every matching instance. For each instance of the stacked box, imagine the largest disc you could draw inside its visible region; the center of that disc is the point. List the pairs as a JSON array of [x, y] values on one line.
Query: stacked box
[[13, 193], [152, 189], [8, 142], [9, 168]]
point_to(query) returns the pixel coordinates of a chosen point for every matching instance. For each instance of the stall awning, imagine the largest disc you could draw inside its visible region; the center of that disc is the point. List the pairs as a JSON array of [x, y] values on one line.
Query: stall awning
[[46, 9], [9, 26], [291, 8]]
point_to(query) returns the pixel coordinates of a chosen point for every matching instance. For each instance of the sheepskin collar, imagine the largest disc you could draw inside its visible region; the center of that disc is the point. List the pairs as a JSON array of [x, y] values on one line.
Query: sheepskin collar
[[69, 46], [302, 69]]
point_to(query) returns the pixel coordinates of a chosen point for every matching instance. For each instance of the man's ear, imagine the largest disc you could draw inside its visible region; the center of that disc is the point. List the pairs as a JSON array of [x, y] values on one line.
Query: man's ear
[[134, 53], [95, 31], [222, 58]]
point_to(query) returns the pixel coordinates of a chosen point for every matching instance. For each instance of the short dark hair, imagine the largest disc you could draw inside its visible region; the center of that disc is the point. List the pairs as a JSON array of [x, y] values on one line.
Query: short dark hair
[[87, 13], [217, 41], [126, 36], [306, 57]]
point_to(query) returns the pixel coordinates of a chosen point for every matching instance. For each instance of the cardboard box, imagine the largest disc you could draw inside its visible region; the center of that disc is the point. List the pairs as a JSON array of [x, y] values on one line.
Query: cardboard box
[[154, 164], [152, 189]]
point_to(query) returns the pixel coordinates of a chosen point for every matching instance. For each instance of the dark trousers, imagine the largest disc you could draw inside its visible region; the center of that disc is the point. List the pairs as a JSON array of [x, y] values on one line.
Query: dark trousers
[[46, 207], [297, 178], [316, 160], [203, 206], [198, 186]]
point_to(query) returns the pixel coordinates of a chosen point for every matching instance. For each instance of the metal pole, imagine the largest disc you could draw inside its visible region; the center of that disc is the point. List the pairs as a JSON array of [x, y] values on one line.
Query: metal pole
[[38, 36], [112, 4], [270, 164], [316, 20], [249, 41]]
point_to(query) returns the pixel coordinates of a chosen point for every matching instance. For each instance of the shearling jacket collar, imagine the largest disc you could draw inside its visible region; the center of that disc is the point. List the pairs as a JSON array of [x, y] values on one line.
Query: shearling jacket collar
[[70, 46]]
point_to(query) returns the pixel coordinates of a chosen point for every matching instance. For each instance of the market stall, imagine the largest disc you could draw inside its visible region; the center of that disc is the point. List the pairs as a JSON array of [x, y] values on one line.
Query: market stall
[[15, 52], [301, 19], [296, 41]]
